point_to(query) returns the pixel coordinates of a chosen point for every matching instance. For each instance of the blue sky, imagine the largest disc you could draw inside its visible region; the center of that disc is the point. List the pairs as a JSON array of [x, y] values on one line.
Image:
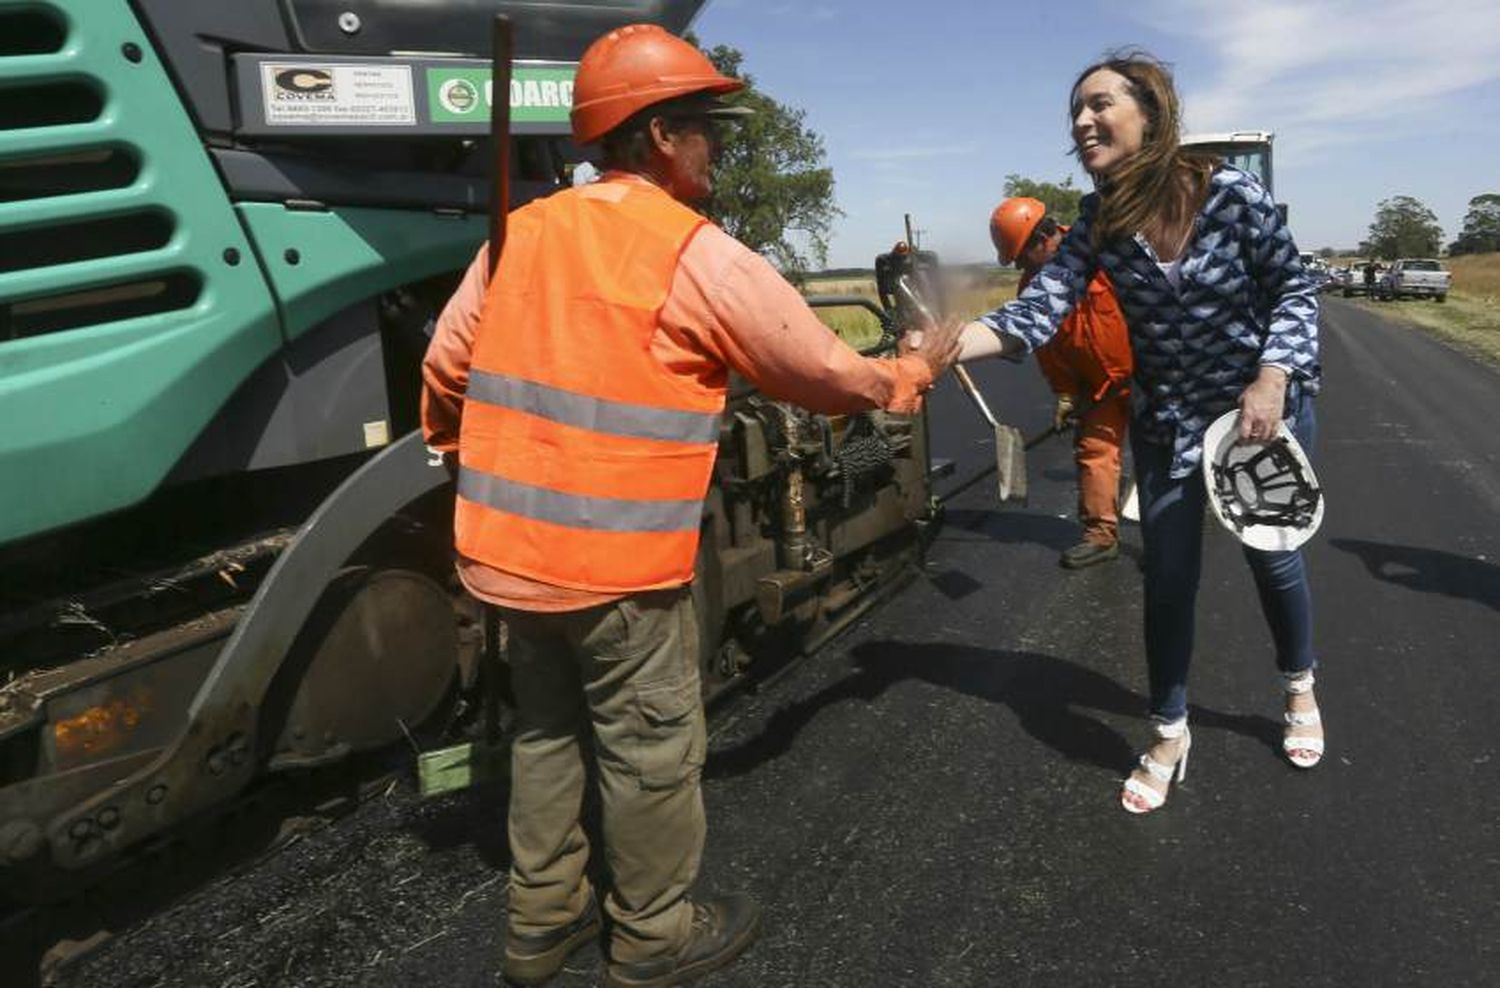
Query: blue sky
[[926, 107]]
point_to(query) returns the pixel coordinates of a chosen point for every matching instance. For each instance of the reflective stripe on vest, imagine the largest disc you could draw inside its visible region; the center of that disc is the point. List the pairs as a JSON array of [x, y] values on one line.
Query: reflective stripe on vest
[[618, 418], [584, 461], [610, 514]]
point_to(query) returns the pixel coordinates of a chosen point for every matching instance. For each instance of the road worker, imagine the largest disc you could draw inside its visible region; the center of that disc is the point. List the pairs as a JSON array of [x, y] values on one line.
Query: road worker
[[581, 393], [1088, 365]]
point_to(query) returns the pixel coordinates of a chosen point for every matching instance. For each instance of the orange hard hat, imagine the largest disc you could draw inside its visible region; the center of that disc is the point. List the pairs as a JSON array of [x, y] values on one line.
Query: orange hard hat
[[1011, 224], [633, 67]]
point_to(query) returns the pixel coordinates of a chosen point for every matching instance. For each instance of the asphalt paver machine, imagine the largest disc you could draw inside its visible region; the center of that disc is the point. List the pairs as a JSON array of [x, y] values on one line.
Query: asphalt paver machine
[[225, 232]]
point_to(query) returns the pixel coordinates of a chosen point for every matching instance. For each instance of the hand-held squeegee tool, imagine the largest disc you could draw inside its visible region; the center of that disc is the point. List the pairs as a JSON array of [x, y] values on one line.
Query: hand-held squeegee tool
[[463, 765], [1010, 451]]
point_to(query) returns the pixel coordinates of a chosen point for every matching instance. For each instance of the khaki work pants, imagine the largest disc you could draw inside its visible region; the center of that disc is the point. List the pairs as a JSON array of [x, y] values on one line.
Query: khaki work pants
[[627, 673]]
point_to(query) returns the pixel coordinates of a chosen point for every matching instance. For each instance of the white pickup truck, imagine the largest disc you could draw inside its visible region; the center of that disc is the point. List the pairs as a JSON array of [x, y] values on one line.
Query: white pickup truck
[[1415, 277]]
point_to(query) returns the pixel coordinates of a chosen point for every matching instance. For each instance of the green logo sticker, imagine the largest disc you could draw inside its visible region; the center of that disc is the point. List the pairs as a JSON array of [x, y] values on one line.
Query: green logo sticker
[[458, 96], [538, 94]]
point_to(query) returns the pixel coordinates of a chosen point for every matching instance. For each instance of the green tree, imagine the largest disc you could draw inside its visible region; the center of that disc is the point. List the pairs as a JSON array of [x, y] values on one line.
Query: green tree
[[1481, 232], [1403, 227], [773, 191], [1061, 200]]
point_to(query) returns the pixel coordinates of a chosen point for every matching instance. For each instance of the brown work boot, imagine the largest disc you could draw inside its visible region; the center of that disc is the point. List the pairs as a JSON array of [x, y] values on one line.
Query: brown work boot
[[1089, 553], [532, 959], [722, 929]]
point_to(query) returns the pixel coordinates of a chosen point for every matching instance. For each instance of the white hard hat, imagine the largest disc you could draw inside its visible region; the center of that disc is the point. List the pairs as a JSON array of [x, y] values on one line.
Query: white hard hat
[[1265, 493]]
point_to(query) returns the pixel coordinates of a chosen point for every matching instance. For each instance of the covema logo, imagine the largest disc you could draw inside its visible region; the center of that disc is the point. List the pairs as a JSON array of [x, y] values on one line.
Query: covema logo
[[304, 83]]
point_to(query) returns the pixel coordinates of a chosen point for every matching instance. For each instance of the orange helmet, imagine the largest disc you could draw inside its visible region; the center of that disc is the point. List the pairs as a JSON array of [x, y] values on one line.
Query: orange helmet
[[633, 67], [1011, 224]]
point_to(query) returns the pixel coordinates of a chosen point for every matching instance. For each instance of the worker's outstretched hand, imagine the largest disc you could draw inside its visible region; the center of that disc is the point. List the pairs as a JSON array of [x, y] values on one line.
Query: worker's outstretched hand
[[937, 345]]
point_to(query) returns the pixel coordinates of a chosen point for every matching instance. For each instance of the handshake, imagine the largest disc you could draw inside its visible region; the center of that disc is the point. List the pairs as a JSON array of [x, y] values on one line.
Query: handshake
[[937, 344]]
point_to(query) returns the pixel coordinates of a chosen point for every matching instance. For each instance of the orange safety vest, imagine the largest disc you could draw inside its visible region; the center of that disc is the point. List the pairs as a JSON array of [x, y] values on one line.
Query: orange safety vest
[[583, 462], [1092, 346]]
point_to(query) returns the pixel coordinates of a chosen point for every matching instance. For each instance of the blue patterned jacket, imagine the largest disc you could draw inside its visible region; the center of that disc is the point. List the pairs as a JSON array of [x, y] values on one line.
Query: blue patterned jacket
[[1243, 301]]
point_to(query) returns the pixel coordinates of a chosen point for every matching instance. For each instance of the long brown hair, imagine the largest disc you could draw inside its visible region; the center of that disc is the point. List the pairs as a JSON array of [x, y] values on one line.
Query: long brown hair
[[1160, 186]]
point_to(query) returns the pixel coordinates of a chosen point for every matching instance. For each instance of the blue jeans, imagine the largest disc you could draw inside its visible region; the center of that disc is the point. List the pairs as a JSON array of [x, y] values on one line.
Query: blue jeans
[[1172, 532]]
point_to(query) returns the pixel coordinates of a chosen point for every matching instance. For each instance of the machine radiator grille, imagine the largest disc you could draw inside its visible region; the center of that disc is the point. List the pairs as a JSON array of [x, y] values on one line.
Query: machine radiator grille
[[84, 240], [30, 31], [132, 301], [41, 176], [88, 234], [48, 104]]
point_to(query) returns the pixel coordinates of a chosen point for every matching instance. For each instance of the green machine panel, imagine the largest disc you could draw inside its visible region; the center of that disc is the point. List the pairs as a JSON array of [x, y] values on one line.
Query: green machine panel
[[131, 305], [320, 261]]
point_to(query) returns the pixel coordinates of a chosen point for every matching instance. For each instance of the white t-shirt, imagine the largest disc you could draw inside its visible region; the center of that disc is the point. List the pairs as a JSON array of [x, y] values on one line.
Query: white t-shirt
[[1172, 270]]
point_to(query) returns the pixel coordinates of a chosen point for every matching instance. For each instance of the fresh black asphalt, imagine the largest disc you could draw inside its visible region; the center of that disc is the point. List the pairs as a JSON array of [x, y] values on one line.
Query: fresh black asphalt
[[931, 800]]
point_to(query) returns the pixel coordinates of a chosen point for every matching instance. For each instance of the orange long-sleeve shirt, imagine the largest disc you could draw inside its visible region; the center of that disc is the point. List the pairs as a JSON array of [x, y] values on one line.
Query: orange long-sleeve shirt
[[1091, 351], [727, 309]]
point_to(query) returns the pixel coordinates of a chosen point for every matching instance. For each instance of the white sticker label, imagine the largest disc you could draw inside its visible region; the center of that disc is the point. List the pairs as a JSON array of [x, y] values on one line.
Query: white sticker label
[[338, 95], [377, 433]]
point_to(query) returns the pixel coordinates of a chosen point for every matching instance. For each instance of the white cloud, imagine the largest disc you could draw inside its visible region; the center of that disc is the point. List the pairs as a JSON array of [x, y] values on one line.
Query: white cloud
[[1335, 73]]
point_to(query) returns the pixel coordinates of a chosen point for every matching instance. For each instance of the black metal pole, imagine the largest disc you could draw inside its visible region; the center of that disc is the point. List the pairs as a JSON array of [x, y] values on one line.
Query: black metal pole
[[501, 47], [490, 674]]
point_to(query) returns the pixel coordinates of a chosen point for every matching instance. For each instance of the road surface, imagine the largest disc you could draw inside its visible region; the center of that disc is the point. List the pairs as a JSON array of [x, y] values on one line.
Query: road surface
[[932, 799]]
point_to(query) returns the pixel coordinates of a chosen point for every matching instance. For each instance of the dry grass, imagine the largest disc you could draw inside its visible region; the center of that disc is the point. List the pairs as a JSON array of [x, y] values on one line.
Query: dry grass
[[855, 326], [841, 286], [978, 301], [1470, 319], [859, 328], [1476, 275]]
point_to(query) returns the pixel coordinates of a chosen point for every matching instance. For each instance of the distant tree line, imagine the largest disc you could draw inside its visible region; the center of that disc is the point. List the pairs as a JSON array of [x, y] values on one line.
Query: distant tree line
[[1404, 227], [1061, 199], [1481, 232]]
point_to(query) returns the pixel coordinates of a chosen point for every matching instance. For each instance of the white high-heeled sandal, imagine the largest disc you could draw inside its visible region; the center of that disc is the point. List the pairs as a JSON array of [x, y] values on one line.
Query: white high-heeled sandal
[[1302, 750], [1136, 796]]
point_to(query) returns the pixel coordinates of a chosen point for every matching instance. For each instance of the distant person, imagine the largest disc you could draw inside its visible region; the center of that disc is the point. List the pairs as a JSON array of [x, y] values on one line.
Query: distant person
[[1370, 278], [581, 394], [1221, 314], [1088, 365]]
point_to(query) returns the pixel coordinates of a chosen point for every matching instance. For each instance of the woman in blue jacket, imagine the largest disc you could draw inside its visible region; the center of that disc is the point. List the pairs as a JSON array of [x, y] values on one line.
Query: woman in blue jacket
[[1221, 315]]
